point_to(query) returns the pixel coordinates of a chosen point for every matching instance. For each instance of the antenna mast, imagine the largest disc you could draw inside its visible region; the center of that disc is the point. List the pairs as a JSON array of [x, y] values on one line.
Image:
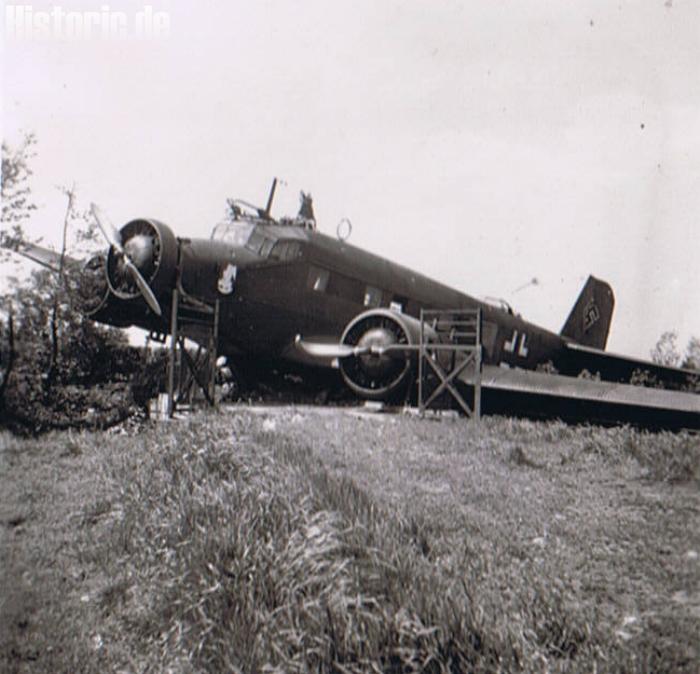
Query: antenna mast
[[266, 212]]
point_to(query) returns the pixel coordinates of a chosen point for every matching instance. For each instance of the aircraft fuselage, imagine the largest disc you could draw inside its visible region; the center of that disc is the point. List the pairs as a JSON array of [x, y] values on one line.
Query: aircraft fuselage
[[290, 280]]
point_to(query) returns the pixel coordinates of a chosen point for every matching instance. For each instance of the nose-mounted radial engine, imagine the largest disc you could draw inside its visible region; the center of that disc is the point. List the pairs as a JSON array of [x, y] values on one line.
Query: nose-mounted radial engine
[[151, 247], [142, 258]]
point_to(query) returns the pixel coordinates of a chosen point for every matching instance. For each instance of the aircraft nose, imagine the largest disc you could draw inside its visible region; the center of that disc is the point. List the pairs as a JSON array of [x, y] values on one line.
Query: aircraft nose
[[139, 249]]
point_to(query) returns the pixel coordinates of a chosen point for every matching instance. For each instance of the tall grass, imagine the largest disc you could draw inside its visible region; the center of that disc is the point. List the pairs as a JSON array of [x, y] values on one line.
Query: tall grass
[[223, 544], [245, 553]]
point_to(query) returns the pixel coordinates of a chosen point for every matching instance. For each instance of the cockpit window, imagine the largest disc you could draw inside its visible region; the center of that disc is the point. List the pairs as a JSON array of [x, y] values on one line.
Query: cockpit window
[[262, 240], [255, 242], [286, 250], [260, 244], [235, 233], [267, 247]]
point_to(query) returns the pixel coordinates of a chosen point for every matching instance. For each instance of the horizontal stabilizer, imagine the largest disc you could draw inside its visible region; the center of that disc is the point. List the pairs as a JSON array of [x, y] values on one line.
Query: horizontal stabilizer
[[619, 368]]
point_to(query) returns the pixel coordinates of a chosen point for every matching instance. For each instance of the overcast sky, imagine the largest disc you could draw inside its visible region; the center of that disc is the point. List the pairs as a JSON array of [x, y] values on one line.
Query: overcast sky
[[484, 143]]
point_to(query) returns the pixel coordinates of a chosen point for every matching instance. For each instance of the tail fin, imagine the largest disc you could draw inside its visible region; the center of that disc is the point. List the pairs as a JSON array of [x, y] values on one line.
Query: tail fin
[[589, 321]]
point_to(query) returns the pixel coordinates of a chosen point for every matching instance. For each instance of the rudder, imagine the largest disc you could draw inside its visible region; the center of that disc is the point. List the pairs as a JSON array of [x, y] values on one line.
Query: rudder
[[589, 321]]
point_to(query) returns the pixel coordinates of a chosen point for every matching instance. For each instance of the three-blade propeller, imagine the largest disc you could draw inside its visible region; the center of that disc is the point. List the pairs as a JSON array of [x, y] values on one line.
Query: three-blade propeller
[[113, 238]]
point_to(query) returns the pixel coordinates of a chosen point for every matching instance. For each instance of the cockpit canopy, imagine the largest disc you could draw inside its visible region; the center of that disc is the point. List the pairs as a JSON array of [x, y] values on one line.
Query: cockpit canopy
[[265, 240], [236, 232], [253, 228]]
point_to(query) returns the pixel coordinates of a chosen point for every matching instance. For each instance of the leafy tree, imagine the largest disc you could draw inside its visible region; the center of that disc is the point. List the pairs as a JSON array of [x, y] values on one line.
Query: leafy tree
[[666, 350], [61, 369], [15, 195], [17, 204], [691, 359]]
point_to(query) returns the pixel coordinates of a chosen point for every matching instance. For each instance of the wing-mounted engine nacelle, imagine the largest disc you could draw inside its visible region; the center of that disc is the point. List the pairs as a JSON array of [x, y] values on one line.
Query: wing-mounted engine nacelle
[[386, 343], [152, 248], [91, 290], [90, 293]]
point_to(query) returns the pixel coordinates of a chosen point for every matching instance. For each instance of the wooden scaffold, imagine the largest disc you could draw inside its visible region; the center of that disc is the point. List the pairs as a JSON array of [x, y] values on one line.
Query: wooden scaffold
[[450, 344]]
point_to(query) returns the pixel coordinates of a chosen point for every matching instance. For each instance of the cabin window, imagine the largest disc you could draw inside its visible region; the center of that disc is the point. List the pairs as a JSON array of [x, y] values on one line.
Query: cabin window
[[318, 279], [399, 303], [373, 297], [345, 287]]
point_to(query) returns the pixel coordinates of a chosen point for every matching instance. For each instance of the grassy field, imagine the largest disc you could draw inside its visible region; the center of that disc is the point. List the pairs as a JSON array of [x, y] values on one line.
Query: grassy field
[[310, 539]]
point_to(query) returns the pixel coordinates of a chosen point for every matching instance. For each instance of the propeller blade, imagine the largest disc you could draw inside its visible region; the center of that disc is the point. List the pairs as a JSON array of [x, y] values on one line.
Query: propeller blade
[[319, 350], [109, 231], [323, 350], [143, 287], [392, 349]]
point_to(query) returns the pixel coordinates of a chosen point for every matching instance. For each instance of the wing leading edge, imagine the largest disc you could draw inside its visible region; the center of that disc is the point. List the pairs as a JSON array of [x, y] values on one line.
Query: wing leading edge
[[540, 395], [43, 256]]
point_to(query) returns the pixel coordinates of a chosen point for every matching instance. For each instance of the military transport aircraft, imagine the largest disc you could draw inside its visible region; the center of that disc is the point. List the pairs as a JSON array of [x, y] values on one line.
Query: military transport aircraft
[[286, 293]]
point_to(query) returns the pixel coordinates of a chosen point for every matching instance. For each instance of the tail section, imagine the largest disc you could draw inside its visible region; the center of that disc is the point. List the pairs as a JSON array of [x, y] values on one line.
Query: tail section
[[589, 321]]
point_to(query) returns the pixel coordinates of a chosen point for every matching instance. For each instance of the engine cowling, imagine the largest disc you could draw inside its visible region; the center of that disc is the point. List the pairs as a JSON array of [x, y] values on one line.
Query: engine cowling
[[386, 375], [152, 247]]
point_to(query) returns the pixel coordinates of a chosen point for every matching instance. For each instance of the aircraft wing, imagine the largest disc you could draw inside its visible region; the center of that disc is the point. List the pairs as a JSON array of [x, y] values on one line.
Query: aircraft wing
[[542, 395], [43, 256], [615, 367]]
